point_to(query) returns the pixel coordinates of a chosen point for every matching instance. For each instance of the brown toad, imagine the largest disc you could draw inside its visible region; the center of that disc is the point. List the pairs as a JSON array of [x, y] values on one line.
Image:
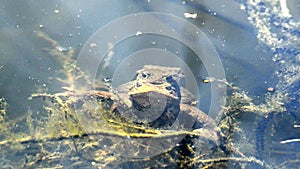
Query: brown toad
[[157, 99]]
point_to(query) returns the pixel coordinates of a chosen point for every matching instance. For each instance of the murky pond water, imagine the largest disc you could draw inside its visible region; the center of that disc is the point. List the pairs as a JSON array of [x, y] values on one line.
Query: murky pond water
[[257, 44]]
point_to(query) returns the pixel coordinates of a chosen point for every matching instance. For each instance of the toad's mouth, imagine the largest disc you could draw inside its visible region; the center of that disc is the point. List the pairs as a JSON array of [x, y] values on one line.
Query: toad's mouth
[[156, 97]]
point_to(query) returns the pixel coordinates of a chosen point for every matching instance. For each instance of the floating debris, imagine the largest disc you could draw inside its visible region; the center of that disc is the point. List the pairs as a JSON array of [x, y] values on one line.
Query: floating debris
[[271, 89], [92, 45], [284, 9], [138, 33], [190, 15], [56, 11], [61, 49], [290, 141], [110, 54], [107, 79], [206, 81]]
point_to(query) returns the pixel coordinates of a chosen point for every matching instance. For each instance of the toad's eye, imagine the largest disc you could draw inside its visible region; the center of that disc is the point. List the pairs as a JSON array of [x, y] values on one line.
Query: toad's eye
[[169, 79], [169, 87], [144, 75]]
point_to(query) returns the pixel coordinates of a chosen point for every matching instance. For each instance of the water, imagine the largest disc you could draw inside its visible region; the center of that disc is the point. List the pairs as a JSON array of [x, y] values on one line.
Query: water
[[277, 26], [257, 41]]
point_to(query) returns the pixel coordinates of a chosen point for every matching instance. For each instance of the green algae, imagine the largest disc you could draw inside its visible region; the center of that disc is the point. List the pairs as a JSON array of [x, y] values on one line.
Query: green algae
[[78, 130]]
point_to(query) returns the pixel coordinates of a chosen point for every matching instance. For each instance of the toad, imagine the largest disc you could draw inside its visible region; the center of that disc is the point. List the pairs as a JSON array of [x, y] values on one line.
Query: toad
[[157, 98]]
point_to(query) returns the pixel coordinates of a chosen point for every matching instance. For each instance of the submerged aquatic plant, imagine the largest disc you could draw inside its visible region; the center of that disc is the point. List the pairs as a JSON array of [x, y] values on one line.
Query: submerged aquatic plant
[[78, 130]]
